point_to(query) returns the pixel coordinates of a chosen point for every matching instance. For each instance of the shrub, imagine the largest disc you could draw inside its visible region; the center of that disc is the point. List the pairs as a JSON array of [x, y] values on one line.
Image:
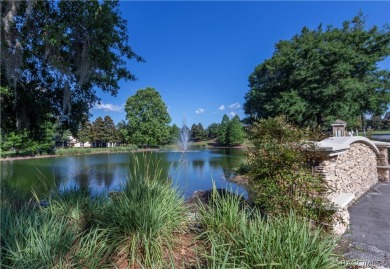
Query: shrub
[[280, 170]]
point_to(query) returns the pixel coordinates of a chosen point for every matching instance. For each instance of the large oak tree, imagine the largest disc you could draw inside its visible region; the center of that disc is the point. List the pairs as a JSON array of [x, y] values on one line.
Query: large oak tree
[[54, 55], [320, 75], [148, 118]]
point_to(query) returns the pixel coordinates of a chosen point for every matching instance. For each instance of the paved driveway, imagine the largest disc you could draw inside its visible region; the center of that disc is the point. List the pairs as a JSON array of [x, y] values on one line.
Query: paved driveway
[[370, 226]]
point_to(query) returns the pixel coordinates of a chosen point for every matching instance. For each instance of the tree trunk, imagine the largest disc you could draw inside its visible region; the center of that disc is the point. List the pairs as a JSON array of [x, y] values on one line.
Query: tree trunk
[[320, 119], [363, 123]]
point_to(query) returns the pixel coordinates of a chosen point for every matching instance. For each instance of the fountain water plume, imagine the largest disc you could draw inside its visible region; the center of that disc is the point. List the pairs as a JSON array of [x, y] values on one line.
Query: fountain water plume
[[184, 136]]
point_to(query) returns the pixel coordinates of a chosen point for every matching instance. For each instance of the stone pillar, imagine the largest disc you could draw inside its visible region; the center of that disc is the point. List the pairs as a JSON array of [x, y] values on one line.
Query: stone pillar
[[383, 164]]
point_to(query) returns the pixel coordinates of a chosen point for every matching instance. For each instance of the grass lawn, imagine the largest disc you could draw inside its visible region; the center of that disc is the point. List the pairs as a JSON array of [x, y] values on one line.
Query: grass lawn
[[381, 132]]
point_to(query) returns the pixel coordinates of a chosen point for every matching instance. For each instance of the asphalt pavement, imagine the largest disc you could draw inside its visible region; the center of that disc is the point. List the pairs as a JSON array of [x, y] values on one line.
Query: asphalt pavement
[[369, 231]]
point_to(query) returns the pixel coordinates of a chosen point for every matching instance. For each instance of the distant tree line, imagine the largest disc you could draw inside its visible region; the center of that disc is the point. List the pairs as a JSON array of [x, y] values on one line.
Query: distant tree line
[[227, 133], [377, 122]]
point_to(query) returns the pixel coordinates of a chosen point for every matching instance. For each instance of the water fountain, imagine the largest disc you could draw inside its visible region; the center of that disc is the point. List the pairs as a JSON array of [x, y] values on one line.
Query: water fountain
[[184, 137]]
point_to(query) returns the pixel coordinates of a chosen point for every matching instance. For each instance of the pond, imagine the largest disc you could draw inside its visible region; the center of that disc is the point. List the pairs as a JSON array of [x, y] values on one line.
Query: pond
[[190, 171], [385, 137]]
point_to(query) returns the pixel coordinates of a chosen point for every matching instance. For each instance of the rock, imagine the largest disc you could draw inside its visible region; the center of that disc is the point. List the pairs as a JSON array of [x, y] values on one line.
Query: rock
[[206, 197]]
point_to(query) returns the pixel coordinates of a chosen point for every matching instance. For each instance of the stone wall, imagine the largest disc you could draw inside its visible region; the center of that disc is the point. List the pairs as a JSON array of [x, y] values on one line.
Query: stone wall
[[383, 163], [351, 171]]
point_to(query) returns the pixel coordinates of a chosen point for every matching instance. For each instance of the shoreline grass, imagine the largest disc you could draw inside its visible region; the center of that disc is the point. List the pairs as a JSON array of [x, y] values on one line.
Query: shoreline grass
[[142, 227], [381, 132]]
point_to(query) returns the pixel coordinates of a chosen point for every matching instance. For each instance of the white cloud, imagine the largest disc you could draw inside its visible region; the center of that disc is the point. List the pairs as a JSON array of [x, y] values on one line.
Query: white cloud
[[232, 113], [222, 107], [200, 111], [235, 105], [108, 107]]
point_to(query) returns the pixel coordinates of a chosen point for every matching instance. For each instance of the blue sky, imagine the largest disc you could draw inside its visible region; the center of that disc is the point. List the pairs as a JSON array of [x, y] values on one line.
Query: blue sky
[[199, 55]]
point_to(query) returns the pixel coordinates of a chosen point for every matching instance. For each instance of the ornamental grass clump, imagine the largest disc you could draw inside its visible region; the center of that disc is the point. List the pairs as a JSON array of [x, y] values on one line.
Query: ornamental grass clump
[[59, 232], [239, 237], [33, 238], [147, 215]]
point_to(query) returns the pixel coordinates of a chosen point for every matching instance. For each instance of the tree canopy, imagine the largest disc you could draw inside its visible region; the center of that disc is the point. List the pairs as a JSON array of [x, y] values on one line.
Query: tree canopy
[[222, 131], [54, 55], [148, 118], [197, 132], [320, 75], [212, 130], [235, 132]]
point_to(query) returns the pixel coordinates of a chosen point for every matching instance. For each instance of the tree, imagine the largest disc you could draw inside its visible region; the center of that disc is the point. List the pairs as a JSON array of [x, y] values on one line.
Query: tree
[[85, 133], [194, 131], [319, 76], [148, 118], [15, 141], [54, 54], [375, 122], [212, 130], [175, 133], [235, 132], [110, 132], [123, 132], [223, 127], [197, 132], [98, 132]]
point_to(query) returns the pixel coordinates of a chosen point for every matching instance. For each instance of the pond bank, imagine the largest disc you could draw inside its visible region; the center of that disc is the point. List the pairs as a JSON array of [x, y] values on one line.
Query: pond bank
[[74, 154], [107, 152]]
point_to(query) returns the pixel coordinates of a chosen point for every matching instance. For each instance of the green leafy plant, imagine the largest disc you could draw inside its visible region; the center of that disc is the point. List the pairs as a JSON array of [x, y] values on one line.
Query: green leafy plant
[[280, 169]]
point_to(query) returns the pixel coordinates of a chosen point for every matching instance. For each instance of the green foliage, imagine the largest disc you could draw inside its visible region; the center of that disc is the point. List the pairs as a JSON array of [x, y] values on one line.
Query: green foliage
[[213, 130], [54, 55], [80, 229], [239, 237], [33, 239], [231, 132], [222, 132], [123, 132], [98, 131], [15, 141], [73, 151], [110, 130], [175, 133], [280, 170], [148, 118], [85, 133], [197, 132], [235, 132], [21, 143], [146, 214], [321, 75], [377, 122]]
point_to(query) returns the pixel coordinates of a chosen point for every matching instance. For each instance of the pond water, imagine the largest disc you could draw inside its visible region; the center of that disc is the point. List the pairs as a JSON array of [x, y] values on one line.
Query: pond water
[[190, 171], [381, 137]]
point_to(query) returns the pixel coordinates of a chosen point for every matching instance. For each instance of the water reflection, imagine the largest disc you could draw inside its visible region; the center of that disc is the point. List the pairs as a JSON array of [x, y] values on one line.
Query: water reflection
[[189, 171]]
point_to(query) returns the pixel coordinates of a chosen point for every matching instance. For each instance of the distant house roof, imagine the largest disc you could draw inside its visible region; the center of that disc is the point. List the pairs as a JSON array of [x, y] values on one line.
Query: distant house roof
[[339, 122]]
